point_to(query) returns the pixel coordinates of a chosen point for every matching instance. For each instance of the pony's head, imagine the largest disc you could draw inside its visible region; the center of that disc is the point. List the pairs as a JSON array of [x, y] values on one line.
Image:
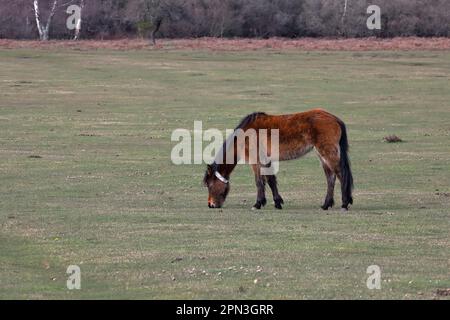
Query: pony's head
[[218, 186]]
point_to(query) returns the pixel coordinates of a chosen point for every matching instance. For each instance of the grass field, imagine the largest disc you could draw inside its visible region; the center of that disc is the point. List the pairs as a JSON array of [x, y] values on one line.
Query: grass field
[[86, 176]]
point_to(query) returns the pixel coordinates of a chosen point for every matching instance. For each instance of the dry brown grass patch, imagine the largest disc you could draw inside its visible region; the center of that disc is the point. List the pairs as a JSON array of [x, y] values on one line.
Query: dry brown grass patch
[[308, 44]]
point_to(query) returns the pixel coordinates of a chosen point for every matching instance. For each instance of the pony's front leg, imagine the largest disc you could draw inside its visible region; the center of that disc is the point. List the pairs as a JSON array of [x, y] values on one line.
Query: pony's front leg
[[261, 188], [277, 199]]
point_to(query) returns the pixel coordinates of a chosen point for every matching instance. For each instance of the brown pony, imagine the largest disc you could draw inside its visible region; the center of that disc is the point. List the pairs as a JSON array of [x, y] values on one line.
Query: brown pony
[[299, 133]]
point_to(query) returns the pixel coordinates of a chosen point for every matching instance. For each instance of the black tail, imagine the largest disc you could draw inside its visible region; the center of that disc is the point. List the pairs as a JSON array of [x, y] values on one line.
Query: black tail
[[346, 172]]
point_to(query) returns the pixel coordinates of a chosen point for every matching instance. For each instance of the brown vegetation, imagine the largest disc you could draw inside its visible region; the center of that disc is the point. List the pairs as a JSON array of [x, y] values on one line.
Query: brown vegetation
[[392, 139], [365, 44]]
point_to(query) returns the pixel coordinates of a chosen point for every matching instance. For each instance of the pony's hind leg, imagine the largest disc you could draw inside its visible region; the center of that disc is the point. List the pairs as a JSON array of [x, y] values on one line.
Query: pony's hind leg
[[331, 181], [277, 199], [329, 157], [346, 199], [261, 188]]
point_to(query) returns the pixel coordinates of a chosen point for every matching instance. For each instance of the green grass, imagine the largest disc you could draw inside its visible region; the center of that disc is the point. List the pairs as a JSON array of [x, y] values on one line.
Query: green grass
[[105, 196]]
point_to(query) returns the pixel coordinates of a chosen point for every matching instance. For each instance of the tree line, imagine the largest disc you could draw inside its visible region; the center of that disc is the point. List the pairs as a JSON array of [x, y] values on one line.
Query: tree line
[[107, 19]]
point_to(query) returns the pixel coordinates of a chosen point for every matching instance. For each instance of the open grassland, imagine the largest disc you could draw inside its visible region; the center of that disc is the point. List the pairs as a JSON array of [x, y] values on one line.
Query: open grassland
[[86, 176]]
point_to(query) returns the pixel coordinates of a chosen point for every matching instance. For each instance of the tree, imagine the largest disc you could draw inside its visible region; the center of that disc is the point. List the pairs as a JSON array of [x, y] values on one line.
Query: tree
[[158, 11], [106, 19], [344, 15], [78, 25], [44, 29]]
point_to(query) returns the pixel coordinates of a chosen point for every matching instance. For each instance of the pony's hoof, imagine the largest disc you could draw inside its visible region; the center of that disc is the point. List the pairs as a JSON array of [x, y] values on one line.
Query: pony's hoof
[[278, 202], [329, 203], [259, 204], [344, 209], [278, 205]]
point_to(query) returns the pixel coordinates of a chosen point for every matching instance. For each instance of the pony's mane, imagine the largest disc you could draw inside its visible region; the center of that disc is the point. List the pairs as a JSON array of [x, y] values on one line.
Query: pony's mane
[[244, 123], [249, 119]]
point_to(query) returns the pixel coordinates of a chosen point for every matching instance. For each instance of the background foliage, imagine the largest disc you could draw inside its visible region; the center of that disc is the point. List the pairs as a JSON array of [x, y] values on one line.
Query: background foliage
[[232, 18]]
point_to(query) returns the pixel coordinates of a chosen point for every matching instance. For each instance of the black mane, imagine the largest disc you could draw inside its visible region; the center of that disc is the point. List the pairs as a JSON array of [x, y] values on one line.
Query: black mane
[[212, 168], [249, 119]]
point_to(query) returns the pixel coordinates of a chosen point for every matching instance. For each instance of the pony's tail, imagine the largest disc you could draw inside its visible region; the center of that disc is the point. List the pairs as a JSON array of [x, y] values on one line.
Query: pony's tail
[[346, 172]]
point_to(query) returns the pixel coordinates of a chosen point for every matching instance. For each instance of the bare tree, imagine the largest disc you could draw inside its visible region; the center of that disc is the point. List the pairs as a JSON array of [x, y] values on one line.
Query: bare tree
[[44, 29], [78, 25], [345, 9], [344, 15], [159, 11], [157, 26]]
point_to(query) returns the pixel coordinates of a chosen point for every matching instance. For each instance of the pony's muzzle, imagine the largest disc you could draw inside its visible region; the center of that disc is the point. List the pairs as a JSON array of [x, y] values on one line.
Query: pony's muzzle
[[213, 205]]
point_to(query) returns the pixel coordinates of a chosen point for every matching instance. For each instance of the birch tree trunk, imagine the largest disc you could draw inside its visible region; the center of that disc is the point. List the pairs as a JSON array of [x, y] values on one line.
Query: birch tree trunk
[[344, 14], [37, 15], [78, 26], [44, 29], [345, 11]]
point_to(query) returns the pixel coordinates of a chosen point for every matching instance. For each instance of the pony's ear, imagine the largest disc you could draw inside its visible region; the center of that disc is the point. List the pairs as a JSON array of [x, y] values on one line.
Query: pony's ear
[[208, 173]]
